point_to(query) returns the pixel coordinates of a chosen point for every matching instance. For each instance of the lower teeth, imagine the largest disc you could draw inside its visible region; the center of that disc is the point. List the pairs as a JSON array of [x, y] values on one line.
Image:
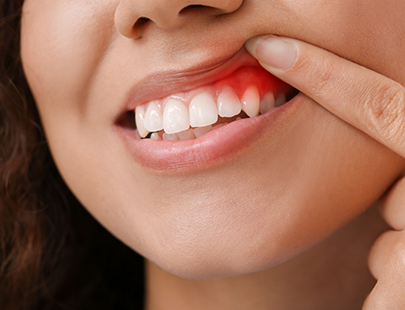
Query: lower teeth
[[189, 134]]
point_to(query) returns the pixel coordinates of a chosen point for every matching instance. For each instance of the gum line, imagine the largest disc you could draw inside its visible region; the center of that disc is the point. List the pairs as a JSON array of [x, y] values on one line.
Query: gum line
[[250, 86], [239, 81]]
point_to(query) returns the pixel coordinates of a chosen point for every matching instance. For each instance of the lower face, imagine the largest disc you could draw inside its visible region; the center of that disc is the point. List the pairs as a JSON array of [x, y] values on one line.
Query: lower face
[[241, 198]]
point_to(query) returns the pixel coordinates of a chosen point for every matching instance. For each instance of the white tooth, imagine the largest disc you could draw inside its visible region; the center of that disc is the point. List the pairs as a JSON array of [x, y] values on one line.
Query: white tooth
[[167, 136], [199, 131], [228, 103], [280, 100], [153, 117], [186, 135], [139, 119], [175, 117], [155, 136], [267, 103], [203, 110], [251, 101]]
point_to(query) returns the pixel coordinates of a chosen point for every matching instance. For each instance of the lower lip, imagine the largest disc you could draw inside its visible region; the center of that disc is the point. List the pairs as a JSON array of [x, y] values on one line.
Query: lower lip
[[216, 147]]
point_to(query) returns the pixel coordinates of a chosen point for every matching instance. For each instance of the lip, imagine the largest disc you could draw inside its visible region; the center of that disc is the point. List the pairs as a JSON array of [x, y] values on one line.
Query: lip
[[160, 85], [216, 146], [213, 148]]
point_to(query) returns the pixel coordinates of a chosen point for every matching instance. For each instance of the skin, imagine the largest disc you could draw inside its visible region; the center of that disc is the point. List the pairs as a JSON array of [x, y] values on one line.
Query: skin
[[289, 191], [376, 108]]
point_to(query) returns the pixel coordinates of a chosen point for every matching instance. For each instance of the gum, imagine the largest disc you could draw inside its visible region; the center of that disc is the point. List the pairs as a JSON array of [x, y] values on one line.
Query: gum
[[239, 80]]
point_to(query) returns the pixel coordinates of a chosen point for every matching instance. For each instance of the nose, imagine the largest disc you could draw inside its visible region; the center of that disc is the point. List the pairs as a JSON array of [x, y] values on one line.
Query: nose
[[132, 16]]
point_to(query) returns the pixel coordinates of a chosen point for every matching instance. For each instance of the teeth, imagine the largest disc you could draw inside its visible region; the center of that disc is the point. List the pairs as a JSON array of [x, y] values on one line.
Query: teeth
[[139, 119], [251, 101], [198, 132], [155, 136], [219, 125], [153, 117], [186, 135], [228, 103], [203, 110], [280, 100], [175, 117], [267, 103], [171, 137]]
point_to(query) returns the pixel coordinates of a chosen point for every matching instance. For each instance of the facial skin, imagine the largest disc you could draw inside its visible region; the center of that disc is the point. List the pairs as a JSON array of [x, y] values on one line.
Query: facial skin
[[283, 194]]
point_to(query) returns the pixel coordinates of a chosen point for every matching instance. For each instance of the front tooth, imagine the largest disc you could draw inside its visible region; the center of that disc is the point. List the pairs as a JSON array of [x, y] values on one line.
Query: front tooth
[[203, 110], [267, 103], [139, 119], [228, 103], [175, 117], [281, 99], [186, 135], [251, 101], [153, 117]]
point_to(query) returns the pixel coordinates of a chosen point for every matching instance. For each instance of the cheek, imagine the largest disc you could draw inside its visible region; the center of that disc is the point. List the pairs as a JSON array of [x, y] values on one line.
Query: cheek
[[62, 43], [368, 32]]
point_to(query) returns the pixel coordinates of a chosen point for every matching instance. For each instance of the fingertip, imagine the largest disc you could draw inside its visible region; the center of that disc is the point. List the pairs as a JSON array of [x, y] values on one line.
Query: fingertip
[[251, 44], [274, 52]]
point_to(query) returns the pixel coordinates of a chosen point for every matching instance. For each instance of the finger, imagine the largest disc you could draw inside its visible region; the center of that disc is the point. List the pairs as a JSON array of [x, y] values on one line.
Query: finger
[[376, 299], [361, 97], [387, 264], [392, 206], [388, 294], [387, 252]]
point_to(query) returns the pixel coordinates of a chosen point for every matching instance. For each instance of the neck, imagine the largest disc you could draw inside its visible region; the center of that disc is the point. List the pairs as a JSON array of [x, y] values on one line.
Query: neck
[[331, 275]]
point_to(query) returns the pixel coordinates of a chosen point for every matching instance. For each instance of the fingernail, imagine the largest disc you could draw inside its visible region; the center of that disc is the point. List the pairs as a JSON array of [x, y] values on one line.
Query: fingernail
[[273, 51]]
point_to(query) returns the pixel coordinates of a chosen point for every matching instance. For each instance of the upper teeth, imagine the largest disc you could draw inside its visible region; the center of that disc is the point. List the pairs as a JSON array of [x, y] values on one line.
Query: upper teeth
[[173, 116]]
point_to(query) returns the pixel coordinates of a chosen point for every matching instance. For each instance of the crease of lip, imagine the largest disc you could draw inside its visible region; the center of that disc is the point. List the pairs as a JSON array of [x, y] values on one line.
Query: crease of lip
[[160, 85]]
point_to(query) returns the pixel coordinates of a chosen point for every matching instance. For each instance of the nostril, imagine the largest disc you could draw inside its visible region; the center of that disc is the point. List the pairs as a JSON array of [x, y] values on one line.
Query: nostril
[[194, 8], [191, 7], [141, 21]]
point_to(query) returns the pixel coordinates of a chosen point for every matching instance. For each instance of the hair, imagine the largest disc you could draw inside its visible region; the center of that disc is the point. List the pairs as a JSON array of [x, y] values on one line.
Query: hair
[[53, 254]]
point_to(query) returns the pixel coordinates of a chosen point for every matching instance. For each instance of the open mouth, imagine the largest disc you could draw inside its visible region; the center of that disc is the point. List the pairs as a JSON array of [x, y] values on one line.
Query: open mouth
[[247, 93]]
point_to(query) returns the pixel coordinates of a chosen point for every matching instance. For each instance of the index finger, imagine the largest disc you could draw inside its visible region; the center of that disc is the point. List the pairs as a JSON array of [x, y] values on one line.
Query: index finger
[[365, 99]]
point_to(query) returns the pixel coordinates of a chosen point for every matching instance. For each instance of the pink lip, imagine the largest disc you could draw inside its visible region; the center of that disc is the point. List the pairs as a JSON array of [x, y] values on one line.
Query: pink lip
[[161, 85], [217, 146]]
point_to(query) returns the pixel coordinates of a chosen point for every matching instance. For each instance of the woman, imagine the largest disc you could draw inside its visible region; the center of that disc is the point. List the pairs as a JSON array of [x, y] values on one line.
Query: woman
[[251, 213]]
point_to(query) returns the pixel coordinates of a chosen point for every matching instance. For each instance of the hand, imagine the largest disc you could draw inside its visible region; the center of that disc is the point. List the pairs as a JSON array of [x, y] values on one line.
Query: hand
[[387, 256], [370, 102], [377, 107]]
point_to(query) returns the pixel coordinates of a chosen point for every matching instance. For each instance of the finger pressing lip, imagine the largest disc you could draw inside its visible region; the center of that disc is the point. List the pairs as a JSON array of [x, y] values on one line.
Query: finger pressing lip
[[392, 206], [365, 99]]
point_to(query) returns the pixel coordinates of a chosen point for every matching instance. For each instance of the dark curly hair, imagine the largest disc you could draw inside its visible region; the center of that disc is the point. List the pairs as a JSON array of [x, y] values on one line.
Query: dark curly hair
[[53, 254]]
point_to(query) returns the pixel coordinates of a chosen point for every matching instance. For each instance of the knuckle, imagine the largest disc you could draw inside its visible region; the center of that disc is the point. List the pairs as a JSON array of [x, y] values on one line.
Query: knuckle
[[320, 74], [386, 109]]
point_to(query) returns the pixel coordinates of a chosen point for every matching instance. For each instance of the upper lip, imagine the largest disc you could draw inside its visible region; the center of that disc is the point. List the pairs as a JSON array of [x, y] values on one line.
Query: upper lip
[[156, 86]]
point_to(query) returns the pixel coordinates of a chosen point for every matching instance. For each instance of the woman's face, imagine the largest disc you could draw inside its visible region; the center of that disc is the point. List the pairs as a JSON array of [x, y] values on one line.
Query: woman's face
[[243, 197]]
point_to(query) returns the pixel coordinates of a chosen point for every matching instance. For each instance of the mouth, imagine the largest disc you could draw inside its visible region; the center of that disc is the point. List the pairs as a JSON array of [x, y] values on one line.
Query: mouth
[[178, 130]]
